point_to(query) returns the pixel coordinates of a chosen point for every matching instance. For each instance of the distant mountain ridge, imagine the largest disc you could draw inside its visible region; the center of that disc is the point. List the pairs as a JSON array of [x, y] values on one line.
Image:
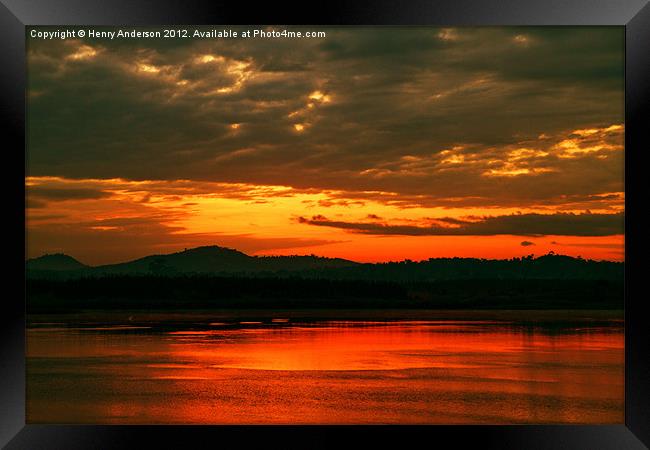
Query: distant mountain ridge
[[206, 259], [215, 260], [55, 262]]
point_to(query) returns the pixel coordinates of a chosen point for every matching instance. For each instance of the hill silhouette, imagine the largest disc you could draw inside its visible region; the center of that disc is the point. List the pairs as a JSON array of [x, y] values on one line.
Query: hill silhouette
[[215, 260], [199, 260], [54, 262], [196, 260]]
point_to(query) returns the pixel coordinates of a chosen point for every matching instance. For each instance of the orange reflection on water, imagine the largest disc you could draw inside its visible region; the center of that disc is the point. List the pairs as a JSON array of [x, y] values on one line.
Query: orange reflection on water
[[330, 372]]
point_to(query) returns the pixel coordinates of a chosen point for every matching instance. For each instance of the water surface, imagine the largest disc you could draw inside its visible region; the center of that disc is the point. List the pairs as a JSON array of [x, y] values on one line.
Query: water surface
[[283, 370]]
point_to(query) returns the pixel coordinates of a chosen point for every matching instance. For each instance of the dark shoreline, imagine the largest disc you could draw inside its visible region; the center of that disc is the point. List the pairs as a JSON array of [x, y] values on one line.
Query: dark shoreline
[[194, 293], [265, 316]]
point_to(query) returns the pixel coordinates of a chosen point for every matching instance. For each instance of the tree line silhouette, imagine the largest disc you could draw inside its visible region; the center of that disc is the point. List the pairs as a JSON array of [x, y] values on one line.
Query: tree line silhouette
[[216, 277], [225, 262], [208, 291]]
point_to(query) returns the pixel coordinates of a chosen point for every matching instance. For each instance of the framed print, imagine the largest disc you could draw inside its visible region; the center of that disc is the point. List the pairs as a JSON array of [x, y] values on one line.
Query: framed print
[[384, 223]]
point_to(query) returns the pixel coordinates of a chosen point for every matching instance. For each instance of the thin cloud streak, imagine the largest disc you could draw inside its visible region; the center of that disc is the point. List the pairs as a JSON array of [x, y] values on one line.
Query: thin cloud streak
[[560, 224]]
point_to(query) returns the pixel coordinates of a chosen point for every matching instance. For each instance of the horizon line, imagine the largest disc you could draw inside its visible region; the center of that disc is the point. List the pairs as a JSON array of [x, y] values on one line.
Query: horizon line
[[550, 253]]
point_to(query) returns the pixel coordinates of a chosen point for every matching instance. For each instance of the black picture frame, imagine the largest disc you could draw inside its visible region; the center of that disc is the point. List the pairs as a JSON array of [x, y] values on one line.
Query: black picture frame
[[15, 15]]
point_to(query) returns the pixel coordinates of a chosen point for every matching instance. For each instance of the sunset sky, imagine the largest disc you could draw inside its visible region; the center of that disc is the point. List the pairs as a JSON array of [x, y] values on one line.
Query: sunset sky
[[371, 144]]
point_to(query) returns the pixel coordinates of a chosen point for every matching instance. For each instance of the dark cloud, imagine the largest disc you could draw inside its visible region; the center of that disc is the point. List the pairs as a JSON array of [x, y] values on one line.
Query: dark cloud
[[61, 194], [585, 224], [35, 204], [397, 99], [45, 217], [526, 243]]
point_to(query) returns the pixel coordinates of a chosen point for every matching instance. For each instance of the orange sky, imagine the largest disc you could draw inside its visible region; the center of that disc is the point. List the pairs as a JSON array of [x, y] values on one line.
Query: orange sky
[[114, 220]]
